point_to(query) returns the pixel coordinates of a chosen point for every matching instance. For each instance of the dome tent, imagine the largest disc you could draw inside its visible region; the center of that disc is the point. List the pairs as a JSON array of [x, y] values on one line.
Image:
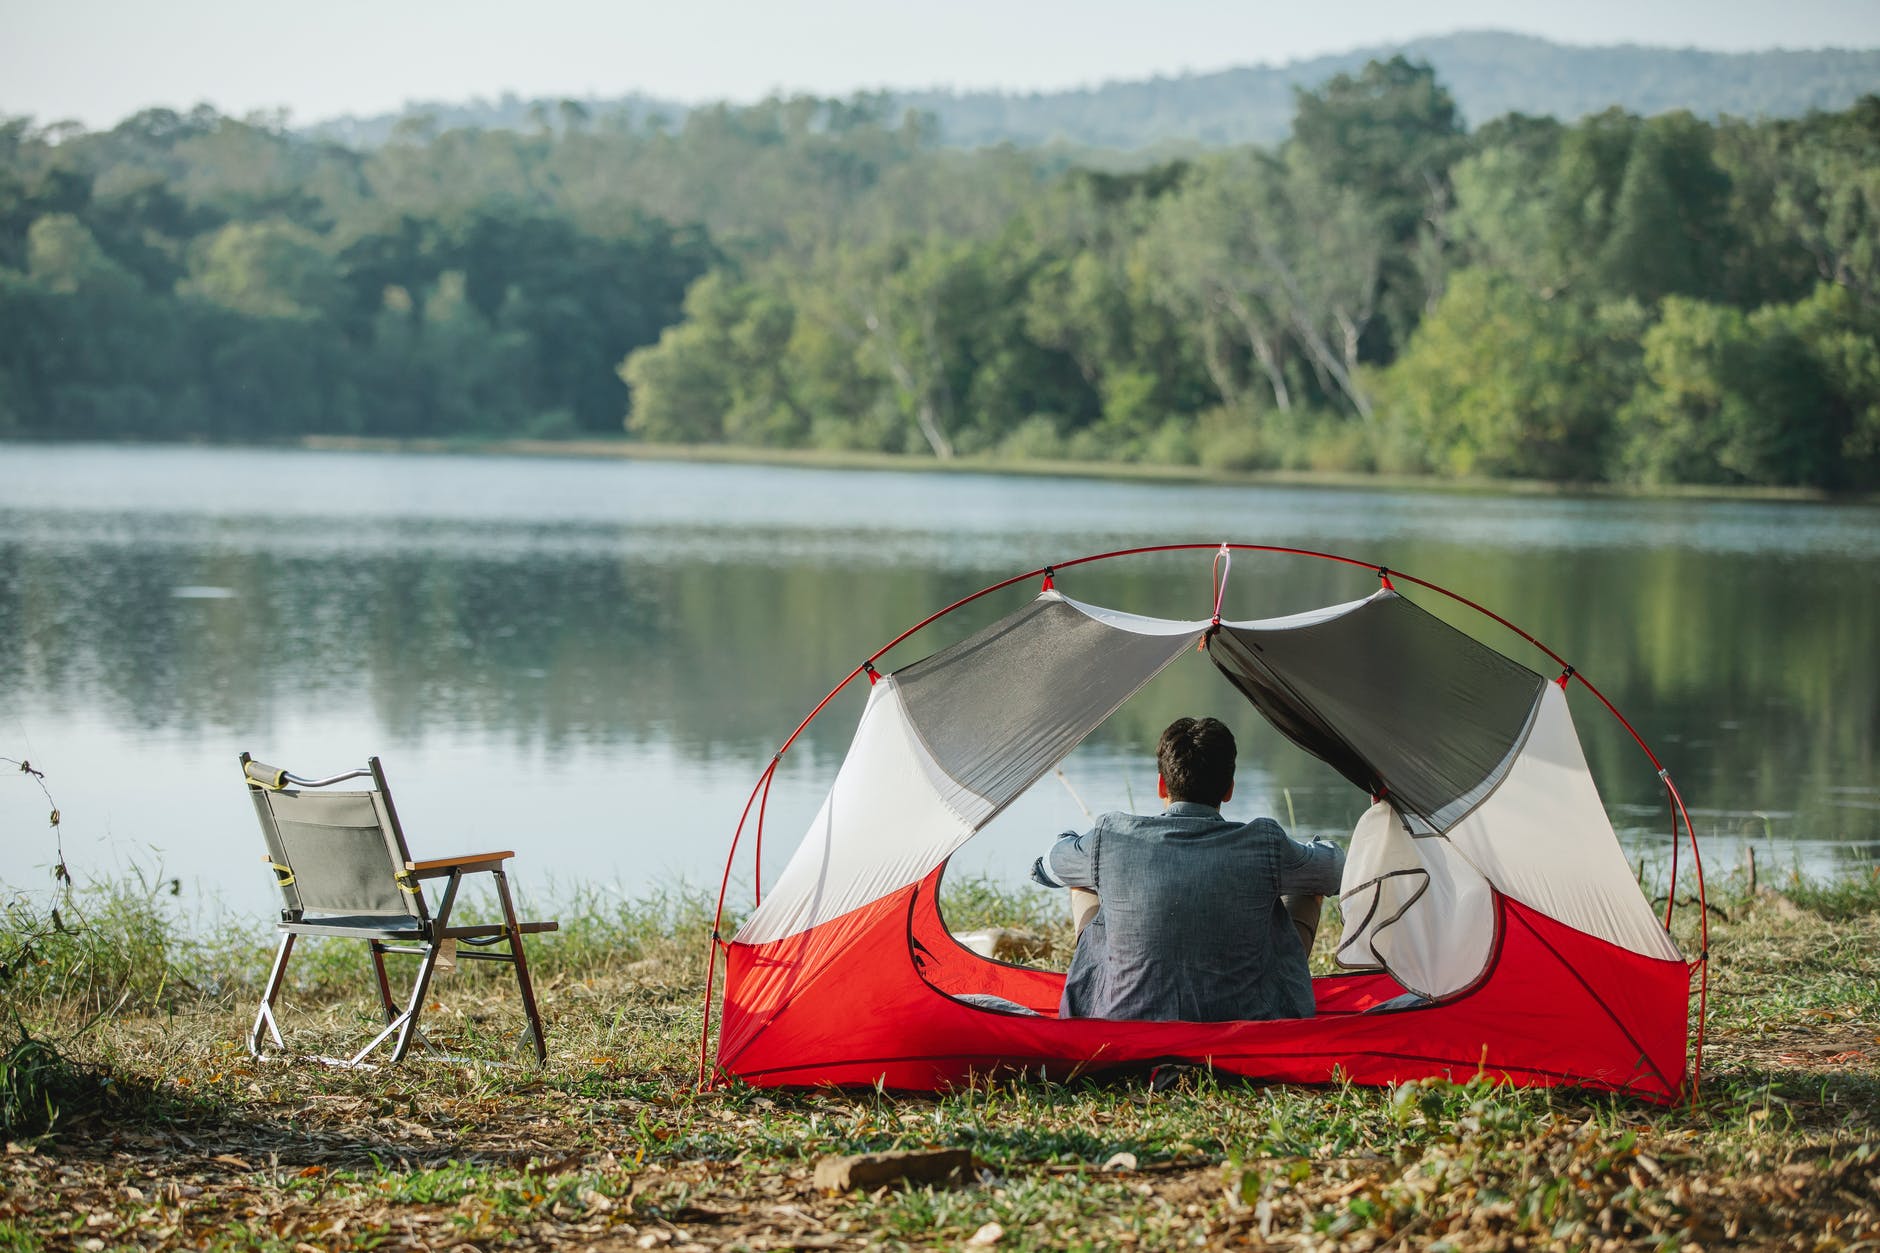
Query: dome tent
[[1485, 877]]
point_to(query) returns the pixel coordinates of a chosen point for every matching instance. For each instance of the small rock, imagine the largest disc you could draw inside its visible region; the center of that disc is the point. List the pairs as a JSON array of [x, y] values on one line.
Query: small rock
[[1121, 1161], [872, 1170], [991, 1233]]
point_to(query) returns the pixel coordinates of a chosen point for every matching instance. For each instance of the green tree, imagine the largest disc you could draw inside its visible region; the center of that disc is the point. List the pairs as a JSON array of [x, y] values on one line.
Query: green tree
[[1615, 207], [269, 269], [1727, 397], [63, 257], [1669, 229], [1271, 261], [1508, 210], [1830, 197], [578, 302], [1787, 394], [1388, 135], [1216, 248], [722, 373], [1843, 339], [1499, 381]]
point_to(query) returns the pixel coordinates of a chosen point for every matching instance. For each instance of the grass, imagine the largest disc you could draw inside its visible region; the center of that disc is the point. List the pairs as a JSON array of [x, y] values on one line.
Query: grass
[[152, 1128], [36, 1082]]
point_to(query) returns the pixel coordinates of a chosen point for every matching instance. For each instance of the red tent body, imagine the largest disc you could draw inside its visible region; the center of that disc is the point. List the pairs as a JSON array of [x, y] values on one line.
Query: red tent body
[[865, 999]]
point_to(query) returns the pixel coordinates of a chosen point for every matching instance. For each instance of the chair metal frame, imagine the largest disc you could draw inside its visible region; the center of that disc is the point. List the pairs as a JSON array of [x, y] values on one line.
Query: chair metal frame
[[412, 929]]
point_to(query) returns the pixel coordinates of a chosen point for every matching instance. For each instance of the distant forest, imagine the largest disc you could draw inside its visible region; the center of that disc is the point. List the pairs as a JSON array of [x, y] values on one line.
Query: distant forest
[[1489, 73], [1627, 298]]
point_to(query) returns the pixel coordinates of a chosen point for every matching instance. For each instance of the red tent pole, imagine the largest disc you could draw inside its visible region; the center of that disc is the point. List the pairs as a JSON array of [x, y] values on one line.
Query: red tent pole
[[718, 916], [1703, 941]]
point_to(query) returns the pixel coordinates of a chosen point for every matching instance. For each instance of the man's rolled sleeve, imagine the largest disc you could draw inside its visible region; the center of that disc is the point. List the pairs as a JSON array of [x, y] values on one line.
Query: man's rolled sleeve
[[1071, 863], [1314, 869]]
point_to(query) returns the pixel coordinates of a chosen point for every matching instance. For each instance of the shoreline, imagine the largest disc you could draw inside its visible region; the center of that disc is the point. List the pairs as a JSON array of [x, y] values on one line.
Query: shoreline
[[1181, 476], [1096, 471]]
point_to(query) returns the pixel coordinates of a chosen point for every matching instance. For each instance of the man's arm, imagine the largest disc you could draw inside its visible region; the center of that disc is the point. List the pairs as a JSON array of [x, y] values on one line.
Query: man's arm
[[1314, 869], [1071, 863]]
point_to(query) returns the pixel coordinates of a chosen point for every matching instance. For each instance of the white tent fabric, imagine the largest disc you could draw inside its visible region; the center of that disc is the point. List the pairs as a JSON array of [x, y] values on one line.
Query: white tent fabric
[[1414, 907], [1544, 839], [1420, 906], [846, 860], [1132, 622], [895, 812], [1310, 617]]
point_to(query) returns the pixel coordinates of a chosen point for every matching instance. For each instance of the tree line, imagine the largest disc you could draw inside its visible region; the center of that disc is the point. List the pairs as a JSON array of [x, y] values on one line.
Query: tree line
[[1623, 298], [1489, 72]]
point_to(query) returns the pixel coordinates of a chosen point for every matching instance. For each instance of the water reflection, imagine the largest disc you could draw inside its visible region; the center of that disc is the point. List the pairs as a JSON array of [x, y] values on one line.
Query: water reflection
[[599, 656]]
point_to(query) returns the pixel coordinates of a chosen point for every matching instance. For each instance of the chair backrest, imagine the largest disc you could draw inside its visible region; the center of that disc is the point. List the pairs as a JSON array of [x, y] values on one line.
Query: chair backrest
[[333, 852]]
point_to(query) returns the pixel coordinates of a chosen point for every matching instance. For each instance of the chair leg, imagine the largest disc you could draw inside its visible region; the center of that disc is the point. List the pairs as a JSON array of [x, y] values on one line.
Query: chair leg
[[405, 1025], [419, 990], [522, 967], [264, 1016], [385, 986]]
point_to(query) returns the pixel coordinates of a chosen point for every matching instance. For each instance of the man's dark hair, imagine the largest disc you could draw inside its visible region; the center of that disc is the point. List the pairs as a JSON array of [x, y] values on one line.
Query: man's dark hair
[[1196, 758]]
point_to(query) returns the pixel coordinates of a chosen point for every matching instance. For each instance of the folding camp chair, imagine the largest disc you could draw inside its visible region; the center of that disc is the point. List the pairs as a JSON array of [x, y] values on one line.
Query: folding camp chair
[[340, 861]]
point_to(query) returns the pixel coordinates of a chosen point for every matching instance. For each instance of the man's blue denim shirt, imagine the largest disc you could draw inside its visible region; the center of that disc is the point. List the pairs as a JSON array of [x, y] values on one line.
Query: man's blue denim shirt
[[1190, 926]]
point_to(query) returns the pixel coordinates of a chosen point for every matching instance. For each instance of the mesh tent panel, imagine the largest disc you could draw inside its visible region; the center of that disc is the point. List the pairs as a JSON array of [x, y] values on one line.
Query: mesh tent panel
[[999, 709], [1393, 698]]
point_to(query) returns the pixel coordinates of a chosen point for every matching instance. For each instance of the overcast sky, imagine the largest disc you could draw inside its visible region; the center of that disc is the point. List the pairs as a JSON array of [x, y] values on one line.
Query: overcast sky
[[97, 61]]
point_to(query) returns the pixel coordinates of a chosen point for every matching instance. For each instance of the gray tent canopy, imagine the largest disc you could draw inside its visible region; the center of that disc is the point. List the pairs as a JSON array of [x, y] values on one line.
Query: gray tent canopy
[[1395, 699]]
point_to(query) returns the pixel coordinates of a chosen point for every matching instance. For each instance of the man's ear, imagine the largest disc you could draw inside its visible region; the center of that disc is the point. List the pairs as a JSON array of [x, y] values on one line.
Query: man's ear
[[1161, 787], [1229, 795]]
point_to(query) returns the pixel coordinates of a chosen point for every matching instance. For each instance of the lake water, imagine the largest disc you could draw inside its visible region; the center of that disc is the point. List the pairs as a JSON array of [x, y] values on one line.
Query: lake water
[[590, 661]]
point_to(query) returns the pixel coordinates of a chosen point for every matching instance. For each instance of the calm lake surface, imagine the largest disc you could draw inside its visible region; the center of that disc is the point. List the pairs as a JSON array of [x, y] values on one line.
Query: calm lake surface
[[591, 661]]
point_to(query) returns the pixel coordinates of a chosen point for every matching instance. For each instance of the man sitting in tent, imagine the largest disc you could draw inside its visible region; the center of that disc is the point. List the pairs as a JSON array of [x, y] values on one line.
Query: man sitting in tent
[[1192, 923]]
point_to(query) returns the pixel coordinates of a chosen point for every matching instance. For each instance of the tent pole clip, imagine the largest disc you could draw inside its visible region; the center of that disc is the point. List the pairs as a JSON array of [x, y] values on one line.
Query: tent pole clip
[[1564, 676], [1050, 581], [1383, 576], [874, 675]]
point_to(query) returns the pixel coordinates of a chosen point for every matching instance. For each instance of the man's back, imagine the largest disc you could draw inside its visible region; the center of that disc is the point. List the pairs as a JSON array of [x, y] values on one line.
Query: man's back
[[1190, 925]]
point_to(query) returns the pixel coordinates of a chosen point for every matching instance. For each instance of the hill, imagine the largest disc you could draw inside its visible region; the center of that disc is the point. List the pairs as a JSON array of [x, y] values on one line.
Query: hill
[[1490, 73]]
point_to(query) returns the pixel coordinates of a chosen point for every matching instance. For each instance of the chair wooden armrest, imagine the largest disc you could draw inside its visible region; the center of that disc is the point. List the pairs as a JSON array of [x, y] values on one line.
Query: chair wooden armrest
[[438, 867]]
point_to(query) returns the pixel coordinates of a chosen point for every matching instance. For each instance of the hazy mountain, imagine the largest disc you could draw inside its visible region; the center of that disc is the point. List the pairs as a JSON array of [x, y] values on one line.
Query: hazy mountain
[[1489, 72]]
